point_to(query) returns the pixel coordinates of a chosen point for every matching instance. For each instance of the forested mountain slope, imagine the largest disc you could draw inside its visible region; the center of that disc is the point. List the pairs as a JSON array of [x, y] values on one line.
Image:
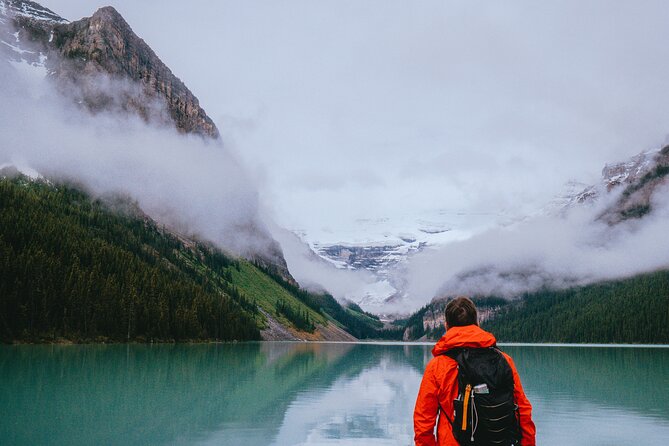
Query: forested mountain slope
[[83, 269], [632, 310]]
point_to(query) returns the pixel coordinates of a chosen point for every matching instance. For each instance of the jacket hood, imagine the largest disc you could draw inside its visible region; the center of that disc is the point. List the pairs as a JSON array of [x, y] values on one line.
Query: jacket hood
[[471, 336]]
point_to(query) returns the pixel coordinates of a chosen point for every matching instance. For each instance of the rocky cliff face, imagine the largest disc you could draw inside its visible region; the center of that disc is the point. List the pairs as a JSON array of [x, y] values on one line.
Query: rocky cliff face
[[636, 199], [640, 177], [628, 172], [104, 65], [434, 316], [430, 326], [19, 8], [14, 49]]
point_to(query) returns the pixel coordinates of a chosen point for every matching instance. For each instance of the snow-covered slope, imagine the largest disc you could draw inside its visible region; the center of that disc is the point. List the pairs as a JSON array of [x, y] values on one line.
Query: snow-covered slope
[[28, 59], [632, 183], [383, 246], [615, 175], [13, 8]]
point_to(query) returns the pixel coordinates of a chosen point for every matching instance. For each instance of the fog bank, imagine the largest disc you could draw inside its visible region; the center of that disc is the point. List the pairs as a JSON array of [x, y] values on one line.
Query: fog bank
[[193, 185], [545, 251]]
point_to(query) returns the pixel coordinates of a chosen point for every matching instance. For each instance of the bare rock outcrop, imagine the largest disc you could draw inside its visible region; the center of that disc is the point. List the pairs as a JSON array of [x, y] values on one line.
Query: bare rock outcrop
[[105, 65], [640, 184]]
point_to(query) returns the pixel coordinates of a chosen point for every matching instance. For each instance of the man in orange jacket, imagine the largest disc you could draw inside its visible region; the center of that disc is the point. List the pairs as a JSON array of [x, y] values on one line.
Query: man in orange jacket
[[440, 388]]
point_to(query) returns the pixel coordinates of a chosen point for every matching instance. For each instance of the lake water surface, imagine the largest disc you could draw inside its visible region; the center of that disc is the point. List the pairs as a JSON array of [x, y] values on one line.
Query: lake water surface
[[306, 394]]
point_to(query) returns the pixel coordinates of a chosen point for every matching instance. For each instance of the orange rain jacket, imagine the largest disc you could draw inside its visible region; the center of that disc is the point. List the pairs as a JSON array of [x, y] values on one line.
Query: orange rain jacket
[[440, 387]]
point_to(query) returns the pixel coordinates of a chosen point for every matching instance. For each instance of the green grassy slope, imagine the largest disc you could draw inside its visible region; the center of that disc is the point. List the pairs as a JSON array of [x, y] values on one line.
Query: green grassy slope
[[270, 295], [360, 324]]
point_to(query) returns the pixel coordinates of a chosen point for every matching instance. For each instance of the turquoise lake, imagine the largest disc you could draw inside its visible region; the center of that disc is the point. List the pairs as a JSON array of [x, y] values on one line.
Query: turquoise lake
[[306, 394]]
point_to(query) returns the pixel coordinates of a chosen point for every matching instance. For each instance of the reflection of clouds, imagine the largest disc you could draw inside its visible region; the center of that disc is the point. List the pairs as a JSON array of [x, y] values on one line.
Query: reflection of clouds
[[591, 424], [372, 408], [366, 393]]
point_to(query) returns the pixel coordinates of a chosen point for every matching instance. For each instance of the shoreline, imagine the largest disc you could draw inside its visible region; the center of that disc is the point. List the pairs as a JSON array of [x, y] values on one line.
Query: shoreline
[[69, 342]]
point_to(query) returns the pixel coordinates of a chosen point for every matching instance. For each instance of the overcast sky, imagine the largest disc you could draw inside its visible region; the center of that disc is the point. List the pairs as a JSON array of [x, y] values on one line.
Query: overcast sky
[[382, 108]]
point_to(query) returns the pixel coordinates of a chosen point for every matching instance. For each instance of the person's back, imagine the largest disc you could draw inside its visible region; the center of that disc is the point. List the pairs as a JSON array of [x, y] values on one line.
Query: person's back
[[440, 391]]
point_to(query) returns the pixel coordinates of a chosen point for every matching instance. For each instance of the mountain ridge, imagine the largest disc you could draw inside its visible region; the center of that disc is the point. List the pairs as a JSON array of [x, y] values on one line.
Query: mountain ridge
[[105, 44]]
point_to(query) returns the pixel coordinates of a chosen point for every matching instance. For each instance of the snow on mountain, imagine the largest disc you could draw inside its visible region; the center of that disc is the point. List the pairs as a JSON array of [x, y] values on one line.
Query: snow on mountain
[[28, 59], [624, 173], [630, 171], [382, 245], [13, 8], [573, 193], [613, 175], [21, 53]]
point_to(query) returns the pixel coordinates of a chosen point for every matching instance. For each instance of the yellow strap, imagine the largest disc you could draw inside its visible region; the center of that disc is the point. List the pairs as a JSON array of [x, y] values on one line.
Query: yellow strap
[[468, 390]]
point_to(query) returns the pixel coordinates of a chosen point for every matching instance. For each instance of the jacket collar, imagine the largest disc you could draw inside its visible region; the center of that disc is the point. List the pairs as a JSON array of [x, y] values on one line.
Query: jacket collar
[[471, 336]]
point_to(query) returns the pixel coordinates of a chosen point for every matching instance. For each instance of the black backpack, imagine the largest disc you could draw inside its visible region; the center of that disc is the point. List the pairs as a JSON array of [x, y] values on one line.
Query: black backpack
[[485, 411]]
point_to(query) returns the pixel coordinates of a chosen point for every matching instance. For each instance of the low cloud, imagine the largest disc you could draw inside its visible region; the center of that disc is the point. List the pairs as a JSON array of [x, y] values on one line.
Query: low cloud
[[573, 248], [452, 105], [193, 185], [317, 274]]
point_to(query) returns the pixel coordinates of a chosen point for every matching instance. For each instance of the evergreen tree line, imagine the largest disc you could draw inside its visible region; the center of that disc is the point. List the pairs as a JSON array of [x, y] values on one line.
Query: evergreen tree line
[[299, 318], [71, 268], [413, 325], [213, 268], [372, 319], [634, 310]]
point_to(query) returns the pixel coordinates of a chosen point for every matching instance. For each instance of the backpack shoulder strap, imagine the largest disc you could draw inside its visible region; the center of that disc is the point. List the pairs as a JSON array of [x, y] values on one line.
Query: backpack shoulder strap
[[459, 354], [453, 353]]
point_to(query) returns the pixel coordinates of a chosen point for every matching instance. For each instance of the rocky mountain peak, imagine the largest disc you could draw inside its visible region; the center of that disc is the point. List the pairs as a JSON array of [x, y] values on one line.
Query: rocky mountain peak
[[109, 13], [102, 64], [105, 42], [639, 177], [628, 172], [637, 197]]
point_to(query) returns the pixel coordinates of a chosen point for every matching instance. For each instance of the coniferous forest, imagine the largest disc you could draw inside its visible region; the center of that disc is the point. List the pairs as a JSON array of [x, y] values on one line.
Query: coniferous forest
[[634, 310], [627, 311], [71, 268]]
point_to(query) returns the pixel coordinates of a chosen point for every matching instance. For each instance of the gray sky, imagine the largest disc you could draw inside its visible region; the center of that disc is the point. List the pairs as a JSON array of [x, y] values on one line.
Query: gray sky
[[384, 108]]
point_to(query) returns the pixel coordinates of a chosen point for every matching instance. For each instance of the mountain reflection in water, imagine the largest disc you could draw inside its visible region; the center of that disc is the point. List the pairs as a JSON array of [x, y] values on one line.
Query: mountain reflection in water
[[306, 394]]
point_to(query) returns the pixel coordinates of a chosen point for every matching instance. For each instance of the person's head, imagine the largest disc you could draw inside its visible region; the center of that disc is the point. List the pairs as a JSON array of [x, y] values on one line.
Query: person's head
[[459, 312]]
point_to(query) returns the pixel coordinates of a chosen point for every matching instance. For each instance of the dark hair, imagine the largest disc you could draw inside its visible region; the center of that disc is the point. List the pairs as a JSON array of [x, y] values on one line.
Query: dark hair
[[461, 311]]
